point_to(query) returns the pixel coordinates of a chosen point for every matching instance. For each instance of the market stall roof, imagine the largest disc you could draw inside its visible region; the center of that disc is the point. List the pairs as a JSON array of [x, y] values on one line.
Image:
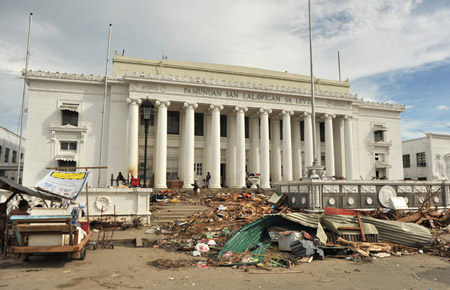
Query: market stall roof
[[14, 187]]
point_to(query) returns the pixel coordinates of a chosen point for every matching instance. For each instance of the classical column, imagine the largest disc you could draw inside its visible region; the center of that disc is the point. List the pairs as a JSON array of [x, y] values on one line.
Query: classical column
[[189, 150], [264, 181], [329, 145], [207, 149], [231, 152], [276, 150], [215, 146], [255, 159], [349, 148], [182, 149], [296, 150], [240, 146], [308, 140], [318, 145], [287, 145], [339, 147], [161, 145], [133, 136]]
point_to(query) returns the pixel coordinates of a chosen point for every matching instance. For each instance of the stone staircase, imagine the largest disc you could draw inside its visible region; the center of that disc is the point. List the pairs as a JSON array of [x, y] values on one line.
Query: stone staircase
[[170, 213]]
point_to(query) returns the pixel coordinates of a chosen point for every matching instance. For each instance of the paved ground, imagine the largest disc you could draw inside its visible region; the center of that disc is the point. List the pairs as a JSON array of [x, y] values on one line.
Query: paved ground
[[127, 267]]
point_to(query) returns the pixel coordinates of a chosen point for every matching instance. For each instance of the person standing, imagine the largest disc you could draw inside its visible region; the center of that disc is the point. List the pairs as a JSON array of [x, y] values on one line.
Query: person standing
[[208, 177]]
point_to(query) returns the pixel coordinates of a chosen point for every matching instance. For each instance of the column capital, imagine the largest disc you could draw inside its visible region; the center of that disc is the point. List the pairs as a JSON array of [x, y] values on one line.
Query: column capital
[[347, 117], [240, 109], [161, 103], [306, 114], [285, 112], [136, 101], [190, 105], [216, 107], [265, 111], [328, 116]]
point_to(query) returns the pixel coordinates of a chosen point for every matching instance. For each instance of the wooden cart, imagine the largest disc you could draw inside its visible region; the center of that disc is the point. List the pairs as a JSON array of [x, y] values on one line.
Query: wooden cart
[[52, 226]]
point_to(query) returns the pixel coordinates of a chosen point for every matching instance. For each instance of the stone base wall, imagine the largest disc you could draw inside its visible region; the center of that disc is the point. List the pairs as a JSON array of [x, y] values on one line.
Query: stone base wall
[[314, 195]]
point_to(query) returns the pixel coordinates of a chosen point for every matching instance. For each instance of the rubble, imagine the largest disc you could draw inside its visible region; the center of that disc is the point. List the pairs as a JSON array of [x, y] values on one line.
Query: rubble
[[242, 230]]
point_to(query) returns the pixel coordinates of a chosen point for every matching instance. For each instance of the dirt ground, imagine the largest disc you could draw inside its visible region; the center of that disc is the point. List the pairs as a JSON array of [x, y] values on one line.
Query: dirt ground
[[127, 268]]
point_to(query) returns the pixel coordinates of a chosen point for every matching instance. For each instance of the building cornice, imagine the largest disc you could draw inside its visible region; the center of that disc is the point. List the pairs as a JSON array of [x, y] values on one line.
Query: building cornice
[[177, 80]]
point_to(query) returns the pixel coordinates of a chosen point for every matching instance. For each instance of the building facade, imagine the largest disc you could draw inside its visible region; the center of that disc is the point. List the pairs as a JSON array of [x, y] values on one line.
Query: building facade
[[230, 121], [9, 154], [427, 158]]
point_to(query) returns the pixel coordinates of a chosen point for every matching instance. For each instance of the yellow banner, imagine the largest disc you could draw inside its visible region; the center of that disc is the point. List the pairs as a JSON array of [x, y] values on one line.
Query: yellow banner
[[69, 175]]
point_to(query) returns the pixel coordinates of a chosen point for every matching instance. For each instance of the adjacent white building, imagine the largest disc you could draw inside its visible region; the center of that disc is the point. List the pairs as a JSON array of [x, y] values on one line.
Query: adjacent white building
[[9, 154], [427, 158], [227, 120]]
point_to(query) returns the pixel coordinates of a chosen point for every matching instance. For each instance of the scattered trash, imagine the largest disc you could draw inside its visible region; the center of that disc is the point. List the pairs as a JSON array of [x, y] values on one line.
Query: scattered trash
[[202, 247], [252, 230]]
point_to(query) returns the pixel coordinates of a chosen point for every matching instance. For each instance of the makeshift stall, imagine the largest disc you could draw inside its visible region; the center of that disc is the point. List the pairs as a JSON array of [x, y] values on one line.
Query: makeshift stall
[[47, 233]]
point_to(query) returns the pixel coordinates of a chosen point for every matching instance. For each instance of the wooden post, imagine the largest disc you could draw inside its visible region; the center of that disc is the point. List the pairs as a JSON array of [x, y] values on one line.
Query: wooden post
[[87, 208]]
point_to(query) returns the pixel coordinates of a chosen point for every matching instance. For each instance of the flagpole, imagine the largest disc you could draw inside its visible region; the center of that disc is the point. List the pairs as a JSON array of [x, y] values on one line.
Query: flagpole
[[25, 79], [104, 106], [313, 113], [339, 65]]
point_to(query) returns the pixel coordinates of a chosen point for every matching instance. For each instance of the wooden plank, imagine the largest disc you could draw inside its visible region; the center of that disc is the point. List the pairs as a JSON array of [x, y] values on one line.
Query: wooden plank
[[45, 249], [348, 228], [40, 217], [44, 228], [361, 227], [52, 249]]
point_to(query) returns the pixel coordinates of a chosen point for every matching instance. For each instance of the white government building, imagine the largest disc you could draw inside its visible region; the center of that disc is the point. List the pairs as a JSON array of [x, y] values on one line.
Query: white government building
[[9, 154], [227, 120], [427, 158]]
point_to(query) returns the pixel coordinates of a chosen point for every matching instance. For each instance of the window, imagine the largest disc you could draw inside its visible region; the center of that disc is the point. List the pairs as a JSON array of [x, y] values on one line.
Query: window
[[379, 136], [406, 161], [65, 164], [1, 151], [173, 122], [199, 124], [223, 125], [421, 161], [270, 129], [322, 131], [172, 168], [6, 155], [69, 145], [422, 178], [14, 156], [247, 127], [302, 130], [198, 169], [281, 129], [69, 118], [21, 155]]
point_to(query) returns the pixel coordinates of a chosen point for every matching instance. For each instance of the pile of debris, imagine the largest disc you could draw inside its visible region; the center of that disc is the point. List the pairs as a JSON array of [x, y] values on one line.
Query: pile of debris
[[254, 230]]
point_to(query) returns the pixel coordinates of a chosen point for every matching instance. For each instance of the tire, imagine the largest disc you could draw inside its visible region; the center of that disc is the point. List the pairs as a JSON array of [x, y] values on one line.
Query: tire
[[83, 253]]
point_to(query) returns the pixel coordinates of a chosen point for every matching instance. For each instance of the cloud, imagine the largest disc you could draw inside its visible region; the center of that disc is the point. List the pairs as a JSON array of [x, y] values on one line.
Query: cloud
[[442, 107]]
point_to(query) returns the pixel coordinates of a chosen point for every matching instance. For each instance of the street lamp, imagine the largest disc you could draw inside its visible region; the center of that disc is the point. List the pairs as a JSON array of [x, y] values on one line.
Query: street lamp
[[147, 109]]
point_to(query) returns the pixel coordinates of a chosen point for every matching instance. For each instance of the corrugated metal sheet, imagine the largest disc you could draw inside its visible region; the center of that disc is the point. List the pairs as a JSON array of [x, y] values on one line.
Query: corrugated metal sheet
[[251, 234], [307, 219], [408, 234], [332, 222]]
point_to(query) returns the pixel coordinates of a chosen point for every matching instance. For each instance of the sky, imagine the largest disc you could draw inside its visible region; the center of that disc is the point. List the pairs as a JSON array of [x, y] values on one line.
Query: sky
[[394, 51]]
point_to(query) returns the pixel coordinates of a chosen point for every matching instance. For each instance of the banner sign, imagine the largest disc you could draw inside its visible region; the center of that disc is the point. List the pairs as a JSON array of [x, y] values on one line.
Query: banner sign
[[63, 184]]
